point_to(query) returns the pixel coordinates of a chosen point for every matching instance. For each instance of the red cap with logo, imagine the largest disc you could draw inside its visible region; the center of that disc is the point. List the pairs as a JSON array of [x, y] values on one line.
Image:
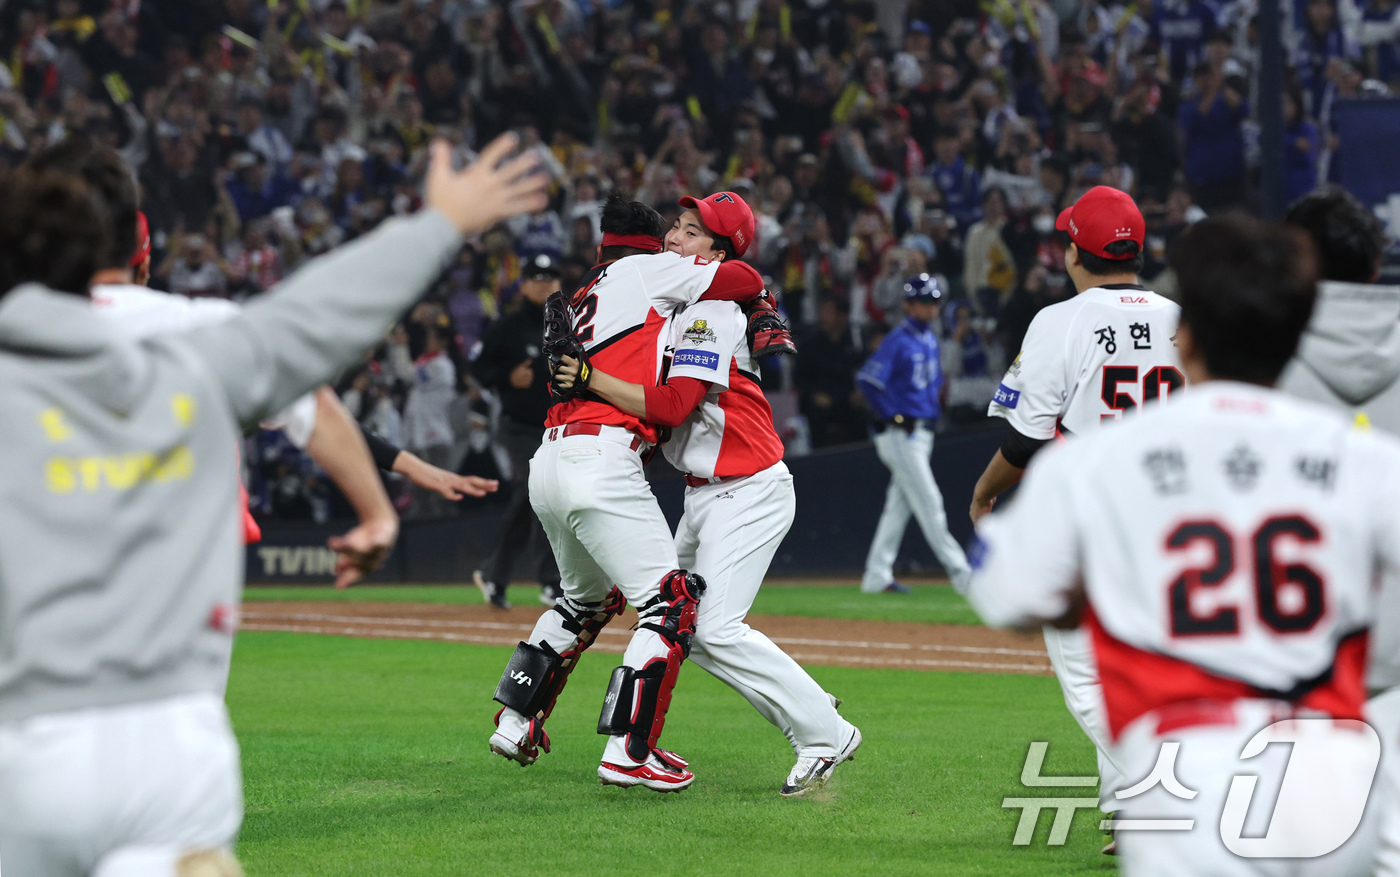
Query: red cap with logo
[[1100, 217], [725, 213]]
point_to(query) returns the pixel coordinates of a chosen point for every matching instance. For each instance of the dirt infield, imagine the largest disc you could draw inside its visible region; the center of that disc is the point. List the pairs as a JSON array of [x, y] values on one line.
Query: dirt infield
[[841, 643]]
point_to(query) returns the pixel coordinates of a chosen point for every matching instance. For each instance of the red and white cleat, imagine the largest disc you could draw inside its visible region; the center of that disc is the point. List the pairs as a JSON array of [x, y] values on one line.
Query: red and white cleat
[[660, 774], [526, 750]]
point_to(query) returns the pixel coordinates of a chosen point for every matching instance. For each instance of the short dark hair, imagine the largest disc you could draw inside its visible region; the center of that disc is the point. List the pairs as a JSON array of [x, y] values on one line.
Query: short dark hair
[[621, 216], [726, 246], [53, 229], [1350, 238], [1129, 261], [108, 178], [1247, 292]]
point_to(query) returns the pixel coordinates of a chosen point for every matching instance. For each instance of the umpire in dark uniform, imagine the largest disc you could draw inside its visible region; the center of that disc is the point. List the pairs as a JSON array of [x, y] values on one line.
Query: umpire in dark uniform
[[511, 364]]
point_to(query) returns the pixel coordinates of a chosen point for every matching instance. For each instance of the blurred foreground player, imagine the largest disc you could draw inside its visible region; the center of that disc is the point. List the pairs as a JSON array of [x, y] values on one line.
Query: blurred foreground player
[[1220, 549], [1349, 359], [739, 499], [123, 560]]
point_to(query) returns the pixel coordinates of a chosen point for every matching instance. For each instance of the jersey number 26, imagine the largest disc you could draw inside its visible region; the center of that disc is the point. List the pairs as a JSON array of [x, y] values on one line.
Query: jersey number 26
[[1288, 597]]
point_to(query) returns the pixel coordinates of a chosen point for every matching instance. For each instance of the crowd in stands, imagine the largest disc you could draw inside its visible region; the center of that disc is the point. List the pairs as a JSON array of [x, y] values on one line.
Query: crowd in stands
[[874, 139]]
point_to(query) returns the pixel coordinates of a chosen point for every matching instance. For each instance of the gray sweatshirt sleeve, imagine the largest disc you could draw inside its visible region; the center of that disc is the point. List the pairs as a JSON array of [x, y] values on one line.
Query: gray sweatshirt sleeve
[[322, 318]]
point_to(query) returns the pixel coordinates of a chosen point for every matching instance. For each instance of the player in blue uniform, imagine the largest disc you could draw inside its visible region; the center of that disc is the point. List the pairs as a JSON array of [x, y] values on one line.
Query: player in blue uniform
[[902, 381]]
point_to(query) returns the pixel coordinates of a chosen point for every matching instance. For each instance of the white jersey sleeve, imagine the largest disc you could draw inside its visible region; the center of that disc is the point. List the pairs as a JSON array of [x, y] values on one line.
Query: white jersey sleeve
[[671, 280], [297, 420], [1031, 397], [706, 336], [1027, 558]]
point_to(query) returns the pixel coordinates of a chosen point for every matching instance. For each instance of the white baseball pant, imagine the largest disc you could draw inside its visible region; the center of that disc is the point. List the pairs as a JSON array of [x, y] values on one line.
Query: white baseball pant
[[1383, 712], [912, 491], [1072, 657], [118, 791], [1323, 792], [729, 534], [602, 520]]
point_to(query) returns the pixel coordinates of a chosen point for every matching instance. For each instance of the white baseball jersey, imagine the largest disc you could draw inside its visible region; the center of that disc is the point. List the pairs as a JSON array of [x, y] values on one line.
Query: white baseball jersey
[[620, 313], [1089, 360], [731, 432], [1227, 543], [148, 312]]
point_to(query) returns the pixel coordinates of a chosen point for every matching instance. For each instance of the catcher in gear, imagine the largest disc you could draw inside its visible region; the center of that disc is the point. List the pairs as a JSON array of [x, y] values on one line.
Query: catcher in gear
[[609, 536], [739, 501]]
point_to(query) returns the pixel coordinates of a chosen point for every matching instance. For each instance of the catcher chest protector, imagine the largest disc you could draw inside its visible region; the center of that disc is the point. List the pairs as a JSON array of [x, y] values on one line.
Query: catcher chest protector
[[536, 673], [637, 700]]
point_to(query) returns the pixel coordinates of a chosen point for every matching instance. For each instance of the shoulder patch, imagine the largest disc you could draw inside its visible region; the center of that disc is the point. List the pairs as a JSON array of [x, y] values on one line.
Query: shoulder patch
[[1006, 397], [697, 358], [699, 331]]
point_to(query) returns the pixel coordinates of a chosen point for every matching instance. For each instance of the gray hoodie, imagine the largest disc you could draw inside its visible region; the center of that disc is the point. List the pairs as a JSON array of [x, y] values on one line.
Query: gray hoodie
[[121, 560], [1349, 358]]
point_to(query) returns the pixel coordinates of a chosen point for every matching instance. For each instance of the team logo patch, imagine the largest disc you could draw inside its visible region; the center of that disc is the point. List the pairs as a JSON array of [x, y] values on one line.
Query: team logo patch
[[697, 358], [699, 331], [1006, 397], [1015, 368]]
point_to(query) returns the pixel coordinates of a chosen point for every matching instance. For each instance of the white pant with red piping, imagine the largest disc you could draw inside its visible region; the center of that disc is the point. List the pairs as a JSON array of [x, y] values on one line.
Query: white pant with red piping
[[729, 533]]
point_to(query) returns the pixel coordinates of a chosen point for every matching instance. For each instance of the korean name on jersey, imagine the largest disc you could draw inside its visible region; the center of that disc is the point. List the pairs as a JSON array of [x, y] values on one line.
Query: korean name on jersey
[[1089, 360]]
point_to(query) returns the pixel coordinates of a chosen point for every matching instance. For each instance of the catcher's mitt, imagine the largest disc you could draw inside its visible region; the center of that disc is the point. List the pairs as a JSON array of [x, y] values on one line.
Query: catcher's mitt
[[768, 333], [559, 342]]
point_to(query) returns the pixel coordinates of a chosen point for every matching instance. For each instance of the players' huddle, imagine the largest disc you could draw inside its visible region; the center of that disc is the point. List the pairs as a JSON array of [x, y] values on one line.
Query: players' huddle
[[1205, 571]]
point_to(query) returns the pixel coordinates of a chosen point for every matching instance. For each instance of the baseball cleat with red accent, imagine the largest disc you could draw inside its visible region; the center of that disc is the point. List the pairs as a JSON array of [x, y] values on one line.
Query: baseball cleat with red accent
[[812, 772], [658, 774], [524, 751]]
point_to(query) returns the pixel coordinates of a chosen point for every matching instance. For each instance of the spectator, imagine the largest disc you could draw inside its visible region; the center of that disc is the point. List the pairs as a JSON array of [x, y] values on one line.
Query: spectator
[[957, 180], [1300, 148], [1181, 28], [827, 361], [1212, 122], [193, 269], [432, 382], [989, 273]]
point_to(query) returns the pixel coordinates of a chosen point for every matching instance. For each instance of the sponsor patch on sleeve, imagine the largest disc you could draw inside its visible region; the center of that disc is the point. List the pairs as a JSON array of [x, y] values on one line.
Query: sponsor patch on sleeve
[[1006, 397], [696, 358]]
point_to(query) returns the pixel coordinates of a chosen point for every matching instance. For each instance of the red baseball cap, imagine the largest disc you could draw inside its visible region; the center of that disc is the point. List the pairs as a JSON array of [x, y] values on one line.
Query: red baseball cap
[[1101, 216], [143, 240], [725, 213]]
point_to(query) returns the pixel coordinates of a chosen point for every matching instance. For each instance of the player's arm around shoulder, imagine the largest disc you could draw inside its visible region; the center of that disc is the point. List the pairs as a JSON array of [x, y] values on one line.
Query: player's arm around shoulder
[[1027, 564]]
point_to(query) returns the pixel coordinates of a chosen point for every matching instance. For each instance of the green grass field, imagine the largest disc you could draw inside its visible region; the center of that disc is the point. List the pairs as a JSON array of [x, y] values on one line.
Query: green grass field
[[928, 603], [370, 757]]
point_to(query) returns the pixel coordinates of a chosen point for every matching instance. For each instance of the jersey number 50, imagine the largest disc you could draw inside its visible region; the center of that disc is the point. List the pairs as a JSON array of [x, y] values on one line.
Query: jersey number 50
[[1288, 596], [1163, 380]]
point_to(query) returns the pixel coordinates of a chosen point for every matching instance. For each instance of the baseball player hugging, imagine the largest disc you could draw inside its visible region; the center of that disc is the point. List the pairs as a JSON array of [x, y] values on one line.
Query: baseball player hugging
[[1085, 363], [588, 487], [739, 500]]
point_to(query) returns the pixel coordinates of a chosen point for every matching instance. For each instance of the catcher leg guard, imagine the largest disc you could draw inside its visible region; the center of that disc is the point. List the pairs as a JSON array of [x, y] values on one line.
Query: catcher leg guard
[[638, 699], [537, 673]]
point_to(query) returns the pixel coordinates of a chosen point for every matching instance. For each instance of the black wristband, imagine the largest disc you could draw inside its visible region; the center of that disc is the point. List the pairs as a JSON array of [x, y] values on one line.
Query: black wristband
[[383, 452], [1018, 449]]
